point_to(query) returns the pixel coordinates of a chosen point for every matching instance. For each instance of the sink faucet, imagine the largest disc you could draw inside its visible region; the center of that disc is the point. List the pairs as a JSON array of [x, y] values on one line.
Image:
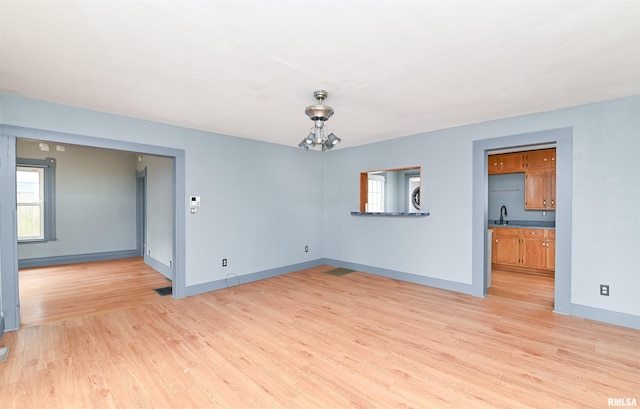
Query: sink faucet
[[505, 213]]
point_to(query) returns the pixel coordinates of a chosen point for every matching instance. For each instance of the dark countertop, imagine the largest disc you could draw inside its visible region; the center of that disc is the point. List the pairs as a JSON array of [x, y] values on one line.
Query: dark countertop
[[530, 224], [403, 214]]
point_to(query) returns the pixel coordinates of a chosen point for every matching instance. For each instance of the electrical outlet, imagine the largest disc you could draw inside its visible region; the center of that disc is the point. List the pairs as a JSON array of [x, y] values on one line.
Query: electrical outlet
[[170, 264], [224, 262], [306, 249], [604, 289]]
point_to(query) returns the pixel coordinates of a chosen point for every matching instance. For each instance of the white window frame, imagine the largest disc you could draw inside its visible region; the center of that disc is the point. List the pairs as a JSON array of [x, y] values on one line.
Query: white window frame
[[47, 199]]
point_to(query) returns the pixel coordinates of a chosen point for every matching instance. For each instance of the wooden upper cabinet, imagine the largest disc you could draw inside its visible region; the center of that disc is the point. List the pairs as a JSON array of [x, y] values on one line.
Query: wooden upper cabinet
[[494, 164], [544, 159], [512, 162], [551, 189], [506, 163], [539, 168], [535, 190], [540, 190], [540, 180]]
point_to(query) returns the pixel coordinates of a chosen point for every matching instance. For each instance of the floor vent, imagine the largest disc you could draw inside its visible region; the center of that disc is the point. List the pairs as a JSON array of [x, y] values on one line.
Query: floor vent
[[164, 291], [339, 272]]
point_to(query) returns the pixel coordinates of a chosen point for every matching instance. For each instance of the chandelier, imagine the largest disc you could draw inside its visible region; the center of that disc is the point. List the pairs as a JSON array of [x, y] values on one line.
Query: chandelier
[[319, 134]]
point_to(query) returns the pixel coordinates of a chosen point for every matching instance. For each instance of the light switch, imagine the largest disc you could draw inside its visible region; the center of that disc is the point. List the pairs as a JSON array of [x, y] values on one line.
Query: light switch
[[195, 200]]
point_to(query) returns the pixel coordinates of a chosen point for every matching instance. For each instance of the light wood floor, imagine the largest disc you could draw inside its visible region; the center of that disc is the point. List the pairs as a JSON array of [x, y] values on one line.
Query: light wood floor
[[313, 340], [56, 293], [531, 288]]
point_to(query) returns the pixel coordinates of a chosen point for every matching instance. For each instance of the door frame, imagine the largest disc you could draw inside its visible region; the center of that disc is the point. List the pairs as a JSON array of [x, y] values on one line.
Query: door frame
[[9, 238], [563, 138], [141, 211]]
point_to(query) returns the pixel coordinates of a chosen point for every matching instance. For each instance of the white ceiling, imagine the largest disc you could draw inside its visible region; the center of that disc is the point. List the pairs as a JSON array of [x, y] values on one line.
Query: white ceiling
[[249, 68]]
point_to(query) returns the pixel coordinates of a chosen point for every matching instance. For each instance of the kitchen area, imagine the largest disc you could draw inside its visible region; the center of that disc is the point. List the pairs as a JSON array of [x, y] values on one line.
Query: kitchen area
[[521, 222]]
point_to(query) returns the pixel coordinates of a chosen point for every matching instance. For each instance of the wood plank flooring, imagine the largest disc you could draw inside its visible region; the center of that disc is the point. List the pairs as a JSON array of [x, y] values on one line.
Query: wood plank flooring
[[56, 293], [532, 288], [313, 340]]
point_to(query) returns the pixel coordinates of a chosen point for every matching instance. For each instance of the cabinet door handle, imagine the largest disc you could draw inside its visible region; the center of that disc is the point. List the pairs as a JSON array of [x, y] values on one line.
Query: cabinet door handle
[[533, 232], [553, 202], [496, 240], [544, 202]]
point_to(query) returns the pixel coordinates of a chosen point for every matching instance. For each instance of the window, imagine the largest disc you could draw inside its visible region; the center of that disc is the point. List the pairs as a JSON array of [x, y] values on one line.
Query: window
[[375, 200], [30, 200], [35, 199]]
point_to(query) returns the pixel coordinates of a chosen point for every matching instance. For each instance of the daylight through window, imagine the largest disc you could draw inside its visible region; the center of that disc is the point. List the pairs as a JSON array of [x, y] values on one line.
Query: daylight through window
[[30, 201], [35, 199], [375, 201]]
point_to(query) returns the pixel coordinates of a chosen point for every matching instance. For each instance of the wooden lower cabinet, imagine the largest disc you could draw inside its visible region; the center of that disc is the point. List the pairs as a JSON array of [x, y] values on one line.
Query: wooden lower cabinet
[[534, 248], [524, 248], [506, 246], [551, 250]]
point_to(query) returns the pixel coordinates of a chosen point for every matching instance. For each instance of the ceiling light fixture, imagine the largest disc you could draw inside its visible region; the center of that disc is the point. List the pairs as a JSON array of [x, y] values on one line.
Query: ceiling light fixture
[[319, 134]]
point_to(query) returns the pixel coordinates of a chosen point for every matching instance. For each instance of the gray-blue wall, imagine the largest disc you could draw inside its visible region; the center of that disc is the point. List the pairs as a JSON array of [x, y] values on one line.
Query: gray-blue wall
[[605, 181], [262, 203]]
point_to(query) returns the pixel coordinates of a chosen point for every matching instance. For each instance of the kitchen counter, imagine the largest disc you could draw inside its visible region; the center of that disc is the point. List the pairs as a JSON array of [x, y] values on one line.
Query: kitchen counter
[[403, 214], [529, 224]]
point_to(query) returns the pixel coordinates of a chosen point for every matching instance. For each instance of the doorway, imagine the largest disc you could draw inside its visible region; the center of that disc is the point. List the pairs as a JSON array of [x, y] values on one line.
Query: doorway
[[100, 219], [480, 243], [141, 214], [521, 223], [9, 271]]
